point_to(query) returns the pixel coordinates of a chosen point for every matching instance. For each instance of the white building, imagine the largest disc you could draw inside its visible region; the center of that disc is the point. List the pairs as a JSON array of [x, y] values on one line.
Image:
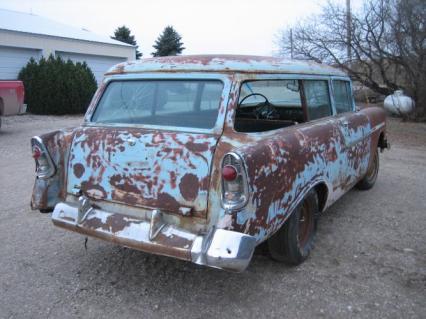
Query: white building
[[24, 35]]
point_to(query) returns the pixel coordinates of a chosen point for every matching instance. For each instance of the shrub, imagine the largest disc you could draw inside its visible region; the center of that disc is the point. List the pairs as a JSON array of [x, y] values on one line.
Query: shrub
[[55, 86]]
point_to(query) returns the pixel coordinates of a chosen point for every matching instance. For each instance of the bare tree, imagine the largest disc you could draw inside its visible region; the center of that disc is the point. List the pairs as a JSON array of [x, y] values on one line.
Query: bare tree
[[387, 45]]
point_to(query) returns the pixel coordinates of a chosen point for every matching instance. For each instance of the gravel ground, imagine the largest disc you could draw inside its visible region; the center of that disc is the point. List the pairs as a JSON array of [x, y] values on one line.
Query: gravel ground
[[369, 260]]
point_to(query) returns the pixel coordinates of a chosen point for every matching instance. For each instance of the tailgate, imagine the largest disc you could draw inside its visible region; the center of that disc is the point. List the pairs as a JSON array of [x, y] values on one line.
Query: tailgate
[[164, 170]]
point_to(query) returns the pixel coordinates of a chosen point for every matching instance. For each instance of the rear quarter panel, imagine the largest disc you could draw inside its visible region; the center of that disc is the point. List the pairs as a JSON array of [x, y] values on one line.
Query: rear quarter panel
[[283, 165]]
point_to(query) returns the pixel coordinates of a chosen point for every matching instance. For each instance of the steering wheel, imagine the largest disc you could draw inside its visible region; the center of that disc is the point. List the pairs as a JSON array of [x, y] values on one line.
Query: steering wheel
[[263, 110]]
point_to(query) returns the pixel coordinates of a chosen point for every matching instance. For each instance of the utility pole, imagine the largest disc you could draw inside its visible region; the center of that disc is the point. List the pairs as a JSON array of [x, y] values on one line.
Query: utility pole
[[348, 29], [291, 43]]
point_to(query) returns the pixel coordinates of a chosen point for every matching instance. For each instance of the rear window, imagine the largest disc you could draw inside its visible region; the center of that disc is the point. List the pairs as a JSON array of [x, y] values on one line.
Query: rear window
[[182, 103]]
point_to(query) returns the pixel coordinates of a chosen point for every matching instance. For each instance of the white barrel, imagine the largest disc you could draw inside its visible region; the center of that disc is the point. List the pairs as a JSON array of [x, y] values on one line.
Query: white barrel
[[398, 103]]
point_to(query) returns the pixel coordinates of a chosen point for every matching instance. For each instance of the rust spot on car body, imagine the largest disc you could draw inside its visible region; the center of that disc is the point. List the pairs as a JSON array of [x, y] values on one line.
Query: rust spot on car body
[[78, 170], [197, 147], [189, 187]]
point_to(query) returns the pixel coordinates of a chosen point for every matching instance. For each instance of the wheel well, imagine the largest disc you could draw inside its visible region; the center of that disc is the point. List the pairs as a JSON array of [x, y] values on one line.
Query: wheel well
[[1, 106], [322, 192]]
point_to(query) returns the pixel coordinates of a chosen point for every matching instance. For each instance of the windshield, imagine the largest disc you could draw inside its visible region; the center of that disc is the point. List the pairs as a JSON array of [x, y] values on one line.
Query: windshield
[[181, 103]]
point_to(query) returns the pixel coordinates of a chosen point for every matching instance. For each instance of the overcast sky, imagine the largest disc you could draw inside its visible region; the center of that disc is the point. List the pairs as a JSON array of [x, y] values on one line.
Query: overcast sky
[[206, 26]]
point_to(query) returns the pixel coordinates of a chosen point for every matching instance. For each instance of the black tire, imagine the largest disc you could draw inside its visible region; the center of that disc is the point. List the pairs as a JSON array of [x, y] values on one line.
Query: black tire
[[293, 242], [370, 177]]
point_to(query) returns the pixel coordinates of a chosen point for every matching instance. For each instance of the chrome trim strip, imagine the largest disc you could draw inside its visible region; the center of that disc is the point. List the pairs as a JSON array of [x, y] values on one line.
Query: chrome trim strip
[[376, 128]]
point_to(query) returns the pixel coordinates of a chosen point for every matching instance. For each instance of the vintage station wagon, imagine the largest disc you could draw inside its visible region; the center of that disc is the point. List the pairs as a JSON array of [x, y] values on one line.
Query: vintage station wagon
[[203, 158]]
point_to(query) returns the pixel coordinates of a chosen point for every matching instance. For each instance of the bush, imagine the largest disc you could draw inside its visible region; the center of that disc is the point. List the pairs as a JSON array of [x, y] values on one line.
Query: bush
[[55, 86]]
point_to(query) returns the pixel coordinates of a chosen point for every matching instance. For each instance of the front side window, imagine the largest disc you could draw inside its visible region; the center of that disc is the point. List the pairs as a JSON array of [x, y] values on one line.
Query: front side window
[[317, 99], [342, 96], [180, 103], [268, 104], [281, 93]]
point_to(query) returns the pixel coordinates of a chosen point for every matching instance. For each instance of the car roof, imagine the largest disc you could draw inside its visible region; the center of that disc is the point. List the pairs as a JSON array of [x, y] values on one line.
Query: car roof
[[224, 64]]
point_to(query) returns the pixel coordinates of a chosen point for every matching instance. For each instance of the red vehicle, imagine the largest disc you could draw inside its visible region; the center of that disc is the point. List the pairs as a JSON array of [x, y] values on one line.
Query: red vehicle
[[11, 98]]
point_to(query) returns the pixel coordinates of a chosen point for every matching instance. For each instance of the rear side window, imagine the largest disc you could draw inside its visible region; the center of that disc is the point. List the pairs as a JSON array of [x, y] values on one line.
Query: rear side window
[[180, 103], [317, 99], [342, 96]]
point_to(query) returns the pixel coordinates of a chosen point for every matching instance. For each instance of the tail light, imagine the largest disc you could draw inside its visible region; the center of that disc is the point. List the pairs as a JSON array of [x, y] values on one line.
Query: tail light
[[44, 164], [234, 182]]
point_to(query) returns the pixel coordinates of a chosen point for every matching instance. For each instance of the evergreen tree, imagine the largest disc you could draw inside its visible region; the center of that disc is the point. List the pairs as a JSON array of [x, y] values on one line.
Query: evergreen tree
[[55, 86], [123, 34], [168, 43]]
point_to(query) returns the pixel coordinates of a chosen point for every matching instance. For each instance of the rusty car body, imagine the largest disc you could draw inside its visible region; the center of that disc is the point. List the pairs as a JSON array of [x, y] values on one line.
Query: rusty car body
[[203, 158]]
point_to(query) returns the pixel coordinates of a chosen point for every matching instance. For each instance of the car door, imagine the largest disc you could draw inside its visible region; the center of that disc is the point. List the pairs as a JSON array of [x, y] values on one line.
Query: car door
[[319, 112], [355, 129]]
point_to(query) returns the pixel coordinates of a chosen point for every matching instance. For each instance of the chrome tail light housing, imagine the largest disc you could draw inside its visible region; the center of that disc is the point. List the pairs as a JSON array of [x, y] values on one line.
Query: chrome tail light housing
[[44, 164], [235, 193]]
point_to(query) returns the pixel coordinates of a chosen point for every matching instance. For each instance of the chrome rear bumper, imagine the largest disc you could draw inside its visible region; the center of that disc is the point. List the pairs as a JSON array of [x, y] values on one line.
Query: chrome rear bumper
[[219, 248]]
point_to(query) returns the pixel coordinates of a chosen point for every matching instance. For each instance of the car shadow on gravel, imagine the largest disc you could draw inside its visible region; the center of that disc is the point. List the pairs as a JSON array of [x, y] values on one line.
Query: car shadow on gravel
[[130, 274], [124, 270]]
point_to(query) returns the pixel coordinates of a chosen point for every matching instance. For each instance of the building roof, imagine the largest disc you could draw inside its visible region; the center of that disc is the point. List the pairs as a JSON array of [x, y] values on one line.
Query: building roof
[[224, 63], [34, 24]]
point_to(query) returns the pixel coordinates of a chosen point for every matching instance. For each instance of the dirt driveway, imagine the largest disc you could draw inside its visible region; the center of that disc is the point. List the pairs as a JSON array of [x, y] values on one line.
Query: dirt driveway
[[369, 261]]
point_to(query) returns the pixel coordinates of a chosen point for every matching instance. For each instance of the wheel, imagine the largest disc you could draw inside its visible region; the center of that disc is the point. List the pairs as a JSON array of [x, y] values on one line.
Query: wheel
[[370, 177], [293, 242]]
